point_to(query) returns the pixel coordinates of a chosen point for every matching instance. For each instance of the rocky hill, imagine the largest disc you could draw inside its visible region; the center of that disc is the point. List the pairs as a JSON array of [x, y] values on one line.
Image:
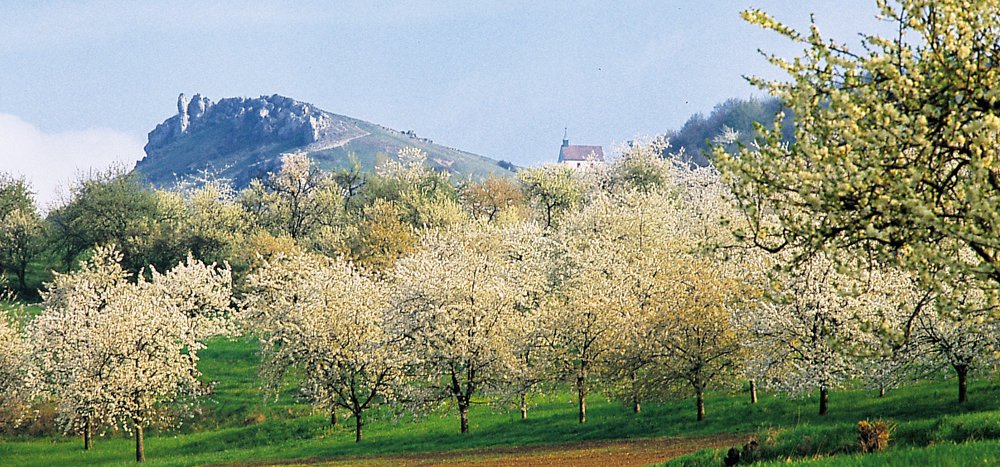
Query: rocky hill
[[243, 138]]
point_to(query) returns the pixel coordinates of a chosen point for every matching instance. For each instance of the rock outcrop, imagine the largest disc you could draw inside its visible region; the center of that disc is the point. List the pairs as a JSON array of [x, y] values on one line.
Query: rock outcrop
[[271, 118]]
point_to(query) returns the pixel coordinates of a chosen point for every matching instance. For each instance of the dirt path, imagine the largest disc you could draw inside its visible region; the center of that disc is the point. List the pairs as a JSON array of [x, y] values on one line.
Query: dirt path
[[592, 453]]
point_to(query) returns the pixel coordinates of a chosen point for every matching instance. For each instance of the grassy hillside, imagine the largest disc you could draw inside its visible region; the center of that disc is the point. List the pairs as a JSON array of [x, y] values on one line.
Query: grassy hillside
[[381, 143], [211, 150], [238, 424]]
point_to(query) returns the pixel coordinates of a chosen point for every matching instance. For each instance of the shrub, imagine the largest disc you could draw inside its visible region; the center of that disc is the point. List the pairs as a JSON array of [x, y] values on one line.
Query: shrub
[[41, 422], [750, 452], [873, 436], [732, 457], [748, 455]]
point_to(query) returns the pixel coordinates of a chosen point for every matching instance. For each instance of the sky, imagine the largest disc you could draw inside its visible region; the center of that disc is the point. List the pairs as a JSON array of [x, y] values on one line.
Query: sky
[[83, 82]]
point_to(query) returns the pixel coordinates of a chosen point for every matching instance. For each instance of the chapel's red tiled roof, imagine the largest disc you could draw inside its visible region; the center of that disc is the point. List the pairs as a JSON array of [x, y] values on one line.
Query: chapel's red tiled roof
[[581, 153]]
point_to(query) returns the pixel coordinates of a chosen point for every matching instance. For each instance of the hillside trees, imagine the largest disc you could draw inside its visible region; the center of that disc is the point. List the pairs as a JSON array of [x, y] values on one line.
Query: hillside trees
[[554, 190], [424, 197], [610, 266], [894, 351], [68, 368], [15, 384], [295, 201], [699, 278], [323, 317], [912, 329], [532, 369], [379, 236], [21, 233], [104, 208], [736, 118], [15, 194], [149, 227], [458, 303], [649, 280], [114, 352], [208, 222], [393, 206], [696, 338], [21, 228], [815, 327], [961, 330], [495, 199], [351, 179]]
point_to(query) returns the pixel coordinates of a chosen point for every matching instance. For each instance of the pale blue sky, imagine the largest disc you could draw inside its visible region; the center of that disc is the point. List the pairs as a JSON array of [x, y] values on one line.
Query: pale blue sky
[[497, 78]]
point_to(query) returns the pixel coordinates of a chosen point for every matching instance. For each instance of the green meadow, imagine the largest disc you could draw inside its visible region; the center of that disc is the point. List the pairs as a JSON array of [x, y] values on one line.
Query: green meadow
[[238, 423]]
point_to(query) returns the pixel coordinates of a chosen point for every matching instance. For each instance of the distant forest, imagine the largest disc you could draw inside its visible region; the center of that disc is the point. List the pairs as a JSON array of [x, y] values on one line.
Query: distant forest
[[737, 115]]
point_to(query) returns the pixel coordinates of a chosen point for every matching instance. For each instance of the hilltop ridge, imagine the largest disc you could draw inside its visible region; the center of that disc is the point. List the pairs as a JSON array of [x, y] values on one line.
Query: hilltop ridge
[[241, 138]]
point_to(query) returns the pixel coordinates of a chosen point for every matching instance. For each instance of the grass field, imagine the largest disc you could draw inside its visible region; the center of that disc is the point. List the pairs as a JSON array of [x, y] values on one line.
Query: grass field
[[985, 453], [238, 424]]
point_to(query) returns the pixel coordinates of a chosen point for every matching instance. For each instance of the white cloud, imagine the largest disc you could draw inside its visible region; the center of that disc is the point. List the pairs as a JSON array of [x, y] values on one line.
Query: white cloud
[[51, 160]]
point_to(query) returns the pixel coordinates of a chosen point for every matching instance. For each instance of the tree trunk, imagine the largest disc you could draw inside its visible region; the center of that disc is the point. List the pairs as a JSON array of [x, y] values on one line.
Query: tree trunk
[[824, 400], [140, 447], [463, 413], [581, 390], [700, 396], [636, 408], [333, 417], [524, 406], [22, 284], [881, 391], [358, 423], [753, 391], [88, 440], [963, 383]]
